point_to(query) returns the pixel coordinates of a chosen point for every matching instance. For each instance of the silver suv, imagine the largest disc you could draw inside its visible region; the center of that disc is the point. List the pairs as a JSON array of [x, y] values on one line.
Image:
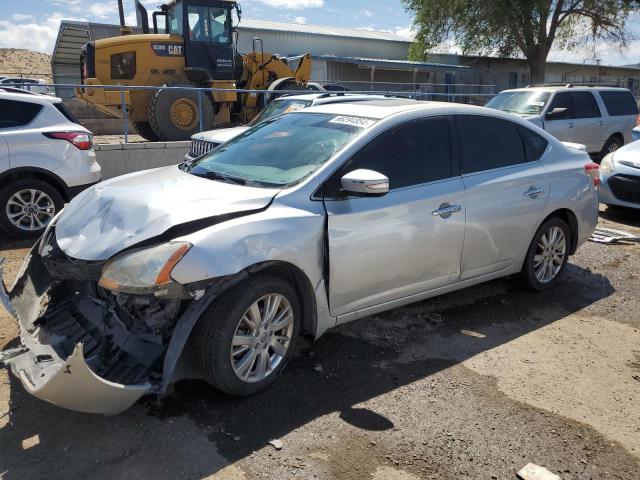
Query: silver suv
[[600, 118]]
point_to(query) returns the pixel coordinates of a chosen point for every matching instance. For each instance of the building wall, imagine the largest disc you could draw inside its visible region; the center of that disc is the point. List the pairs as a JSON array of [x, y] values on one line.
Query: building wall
[[511, 73], [292, 43]]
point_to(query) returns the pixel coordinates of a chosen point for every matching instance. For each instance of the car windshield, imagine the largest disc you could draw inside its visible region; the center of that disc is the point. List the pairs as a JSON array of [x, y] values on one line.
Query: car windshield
[[279, 106], [524, 103], [281, 151]]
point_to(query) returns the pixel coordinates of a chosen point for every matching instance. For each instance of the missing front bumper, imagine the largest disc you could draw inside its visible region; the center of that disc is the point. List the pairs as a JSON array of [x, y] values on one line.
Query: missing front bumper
[[55, 337]]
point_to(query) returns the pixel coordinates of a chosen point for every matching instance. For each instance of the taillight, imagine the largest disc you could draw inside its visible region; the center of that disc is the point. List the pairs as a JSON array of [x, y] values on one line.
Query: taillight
[[593, 170], [82, 140]]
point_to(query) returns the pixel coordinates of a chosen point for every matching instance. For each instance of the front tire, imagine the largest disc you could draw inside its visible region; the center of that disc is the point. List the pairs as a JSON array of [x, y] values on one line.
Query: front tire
[[174, 114], [145, 131], [244, 341], [27, 206], [547, 256]]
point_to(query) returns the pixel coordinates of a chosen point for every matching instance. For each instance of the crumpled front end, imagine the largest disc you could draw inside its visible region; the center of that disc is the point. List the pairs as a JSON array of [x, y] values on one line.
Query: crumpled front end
[[85, 348]]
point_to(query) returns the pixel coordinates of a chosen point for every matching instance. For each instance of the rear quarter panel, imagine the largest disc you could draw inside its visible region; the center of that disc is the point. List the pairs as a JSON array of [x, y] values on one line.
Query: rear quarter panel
[[570, 187]]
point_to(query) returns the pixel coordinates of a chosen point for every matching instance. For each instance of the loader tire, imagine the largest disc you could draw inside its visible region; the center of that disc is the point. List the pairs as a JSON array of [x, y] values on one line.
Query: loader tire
[[173, 114], [145, 131]]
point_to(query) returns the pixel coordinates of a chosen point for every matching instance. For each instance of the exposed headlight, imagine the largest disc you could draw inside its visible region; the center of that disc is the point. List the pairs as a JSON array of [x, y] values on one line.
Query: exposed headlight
[[606, 166], [143, 271]]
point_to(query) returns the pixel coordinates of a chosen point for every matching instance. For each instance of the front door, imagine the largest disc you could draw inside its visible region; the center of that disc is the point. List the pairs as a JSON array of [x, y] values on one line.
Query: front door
[[507, 189], [561, 127], [208, 39], [403, 243]]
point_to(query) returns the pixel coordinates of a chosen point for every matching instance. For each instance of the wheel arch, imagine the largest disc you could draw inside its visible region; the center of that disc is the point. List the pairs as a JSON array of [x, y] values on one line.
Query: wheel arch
[[299, 281], [21, 173], [570, 218]]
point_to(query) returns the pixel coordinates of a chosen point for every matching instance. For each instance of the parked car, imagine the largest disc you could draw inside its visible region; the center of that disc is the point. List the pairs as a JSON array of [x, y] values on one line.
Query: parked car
[[601, 118], [204, 142], [46, 158], [19, 81], [304, 222], [620, 177]]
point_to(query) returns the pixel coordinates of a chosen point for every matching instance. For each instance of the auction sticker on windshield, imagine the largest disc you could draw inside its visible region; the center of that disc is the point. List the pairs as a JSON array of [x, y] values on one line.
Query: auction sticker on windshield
[[353, 121]]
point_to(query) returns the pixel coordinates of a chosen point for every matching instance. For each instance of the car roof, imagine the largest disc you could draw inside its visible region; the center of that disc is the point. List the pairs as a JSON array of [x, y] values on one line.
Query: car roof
[[329, 97], [8, 93], [564, 88], [386, 107]]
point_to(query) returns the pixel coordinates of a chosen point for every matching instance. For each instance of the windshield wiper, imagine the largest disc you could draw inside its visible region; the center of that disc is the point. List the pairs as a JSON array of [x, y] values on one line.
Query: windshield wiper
[[212, 175]]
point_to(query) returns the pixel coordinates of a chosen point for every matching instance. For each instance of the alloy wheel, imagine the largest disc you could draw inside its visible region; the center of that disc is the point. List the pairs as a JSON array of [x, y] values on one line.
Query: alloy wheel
[[262, 338], [30, 209], [550, 254]]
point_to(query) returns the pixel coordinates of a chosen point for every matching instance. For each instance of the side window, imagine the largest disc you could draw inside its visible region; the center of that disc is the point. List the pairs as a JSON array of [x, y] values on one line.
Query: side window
[[534, 144], [489, 143], [123, 66], [410, 154], [562, 100], [17, 114], [619, 103], [584, 105]]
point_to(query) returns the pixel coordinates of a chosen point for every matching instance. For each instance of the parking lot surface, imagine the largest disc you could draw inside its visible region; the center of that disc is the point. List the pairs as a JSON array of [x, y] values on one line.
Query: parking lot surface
[[473, 384]]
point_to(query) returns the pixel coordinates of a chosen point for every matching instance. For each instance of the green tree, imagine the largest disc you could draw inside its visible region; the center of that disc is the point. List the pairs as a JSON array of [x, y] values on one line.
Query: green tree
[[506, 27]]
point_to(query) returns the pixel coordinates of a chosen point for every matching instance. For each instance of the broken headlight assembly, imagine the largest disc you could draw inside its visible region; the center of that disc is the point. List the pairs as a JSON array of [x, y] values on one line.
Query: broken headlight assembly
[[144, 271]]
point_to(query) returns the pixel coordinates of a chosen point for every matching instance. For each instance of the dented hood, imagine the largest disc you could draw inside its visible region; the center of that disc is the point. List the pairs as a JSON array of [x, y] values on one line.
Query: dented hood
[[121, 212]]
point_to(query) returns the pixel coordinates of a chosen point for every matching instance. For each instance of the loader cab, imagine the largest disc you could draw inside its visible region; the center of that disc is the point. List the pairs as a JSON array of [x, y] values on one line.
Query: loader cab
[[207, 29]]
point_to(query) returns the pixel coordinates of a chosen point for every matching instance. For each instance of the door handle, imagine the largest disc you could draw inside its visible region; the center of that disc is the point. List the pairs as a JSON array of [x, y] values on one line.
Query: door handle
[[600, 122], [570, 125], [445, 210], [533, 192]]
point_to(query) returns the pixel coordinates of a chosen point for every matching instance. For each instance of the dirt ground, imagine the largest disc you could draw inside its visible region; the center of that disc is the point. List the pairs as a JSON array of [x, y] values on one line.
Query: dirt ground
[[474, 384]]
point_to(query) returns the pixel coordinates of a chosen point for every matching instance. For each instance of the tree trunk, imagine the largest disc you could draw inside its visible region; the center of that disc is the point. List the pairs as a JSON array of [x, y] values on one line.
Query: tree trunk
[[537, 68]]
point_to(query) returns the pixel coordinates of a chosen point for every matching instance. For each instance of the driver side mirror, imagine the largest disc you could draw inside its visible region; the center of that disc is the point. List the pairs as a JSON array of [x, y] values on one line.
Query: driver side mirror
[[365, 182], [557, 113]]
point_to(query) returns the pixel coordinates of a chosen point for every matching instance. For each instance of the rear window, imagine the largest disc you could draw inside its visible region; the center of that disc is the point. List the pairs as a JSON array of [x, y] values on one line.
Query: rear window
[[619, 103], [17, 114], [61, 107]]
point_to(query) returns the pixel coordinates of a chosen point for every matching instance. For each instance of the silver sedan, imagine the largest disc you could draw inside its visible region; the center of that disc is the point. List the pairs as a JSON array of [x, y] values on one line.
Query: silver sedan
[[213, 268]]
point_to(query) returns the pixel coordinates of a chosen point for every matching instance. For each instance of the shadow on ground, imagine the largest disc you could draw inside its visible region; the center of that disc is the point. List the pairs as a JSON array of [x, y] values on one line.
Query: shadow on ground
[[174, 437], [625, 216]]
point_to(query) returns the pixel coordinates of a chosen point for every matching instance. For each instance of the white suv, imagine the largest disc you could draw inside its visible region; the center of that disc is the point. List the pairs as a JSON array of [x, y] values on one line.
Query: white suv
[[600, 118], [46, 158]]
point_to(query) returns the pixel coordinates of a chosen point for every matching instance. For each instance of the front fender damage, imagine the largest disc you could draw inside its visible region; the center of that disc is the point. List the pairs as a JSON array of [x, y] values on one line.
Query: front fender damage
[[85, 349]]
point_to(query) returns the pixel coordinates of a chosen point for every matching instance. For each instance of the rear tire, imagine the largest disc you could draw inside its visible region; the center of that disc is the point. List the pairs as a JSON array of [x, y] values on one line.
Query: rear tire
[[613, 144], [173, 114], [225, 340], [27, 206], [145, 131], [547, 256]]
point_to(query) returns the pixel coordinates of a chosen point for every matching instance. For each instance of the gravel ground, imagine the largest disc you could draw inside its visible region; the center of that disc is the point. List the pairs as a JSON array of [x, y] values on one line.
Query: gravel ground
[[473, 384]]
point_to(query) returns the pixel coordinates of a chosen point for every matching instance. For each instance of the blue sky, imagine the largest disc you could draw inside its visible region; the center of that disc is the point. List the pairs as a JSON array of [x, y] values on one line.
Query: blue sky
[[33, 24]]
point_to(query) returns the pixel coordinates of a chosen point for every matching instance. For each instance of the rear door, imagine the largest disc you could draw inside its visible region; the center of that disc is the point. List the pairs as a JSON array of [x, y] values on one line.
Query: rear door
[[507, 188], [561, 128], [389, 247], [588, 127], [16, 117]]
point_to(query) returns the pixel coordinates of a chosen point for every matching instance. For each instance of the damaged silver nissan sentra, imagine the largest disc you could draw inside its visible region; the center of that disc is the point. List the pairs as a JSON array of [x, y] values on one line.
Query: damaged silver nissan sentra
[[213, 268]]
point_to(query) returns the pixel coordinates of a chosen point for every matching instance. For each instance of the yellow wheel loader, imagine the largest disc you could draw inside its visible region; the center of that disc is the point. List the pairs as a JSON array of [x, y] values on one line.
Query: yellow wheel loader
[[191, 44]]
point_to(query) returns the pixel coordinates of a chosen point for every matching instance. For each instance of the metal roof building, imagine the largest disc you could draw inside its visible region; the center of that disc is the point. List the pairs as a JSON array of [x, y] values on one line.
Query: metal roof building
[[356, 57]]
